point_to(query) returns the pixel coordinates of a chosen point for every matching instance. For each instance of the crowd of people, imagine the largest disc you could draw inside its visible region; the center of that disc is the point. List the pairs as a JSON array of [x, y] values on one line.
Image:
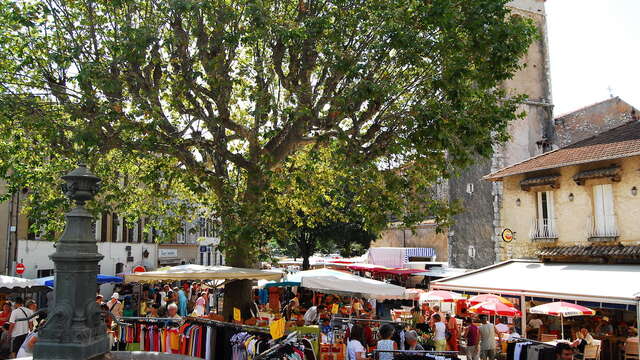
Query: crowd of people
[[19, 325], [429, 328], [163, 300]]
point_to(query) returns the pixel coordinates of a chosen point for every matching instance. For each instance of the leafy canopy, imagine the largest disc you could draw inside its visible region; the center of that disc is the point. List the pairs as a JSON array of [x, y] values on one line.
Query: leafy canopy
[[206, 101]]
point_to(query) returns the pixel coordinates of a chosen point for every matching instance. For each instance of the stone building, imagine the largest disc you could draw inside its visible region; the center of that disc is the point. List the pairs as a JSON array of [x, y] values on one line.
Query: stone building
[[472, 239], [591, 120], [576, 203], [421, 236], [123, 245]]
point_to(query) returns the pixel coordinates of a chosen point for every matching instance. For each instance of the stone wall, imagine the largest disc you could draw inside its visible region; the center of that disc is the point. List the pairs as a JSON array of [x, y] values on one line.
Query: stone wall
[[471, 242], [421, 236], [473, 238]]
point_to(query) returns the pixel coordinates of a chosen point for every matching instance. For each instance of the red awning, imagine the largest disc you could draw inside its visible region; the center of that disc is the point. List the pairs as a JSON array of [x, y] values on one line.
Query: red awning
[[366, 267], [399, 271]]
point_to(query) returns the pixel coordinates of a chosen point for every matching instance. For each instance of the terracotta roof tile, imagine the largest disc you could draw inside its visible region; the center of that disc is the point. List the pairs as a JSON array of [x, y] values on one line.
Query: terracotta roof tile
[[591, 250], [620, 142]]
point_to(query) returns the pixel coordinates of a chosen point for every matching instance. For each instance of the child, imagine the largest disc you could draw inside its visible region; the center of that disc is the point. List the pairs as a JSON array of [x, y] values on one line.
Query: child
[[386, 333]]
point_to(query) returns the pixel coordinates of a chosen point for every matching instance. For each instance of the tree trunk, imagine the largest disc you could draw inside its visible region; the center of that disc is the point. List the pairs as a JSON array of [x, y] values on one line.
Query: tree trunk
[[305, 262], [242, 231], [237, 293], [306, 249]]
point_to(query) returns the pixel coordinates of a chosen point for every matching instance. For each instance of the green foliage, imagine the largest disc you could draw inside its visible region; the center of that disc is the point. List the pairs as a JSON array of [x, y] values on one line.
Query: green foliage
[[324, 201], [185, 106]]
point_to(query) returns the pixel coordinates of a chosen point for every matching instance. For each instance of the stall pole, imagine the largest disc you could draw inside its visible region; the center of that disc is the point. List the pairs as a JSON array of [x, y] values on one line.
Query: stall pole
[[351, 308], [523, 310], [561, 326], [638, 317]]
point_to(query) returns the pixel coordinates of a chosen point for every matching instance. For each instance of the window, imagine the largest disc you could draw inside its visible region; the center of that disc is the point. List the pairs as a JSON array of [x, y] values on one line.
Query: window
[[34, 235], [103, 228], [604, 221], [45, 273], [127, 232], [470, 188], [139, 231], [114, 227], [545, 221], [119, 268], [472, 251]]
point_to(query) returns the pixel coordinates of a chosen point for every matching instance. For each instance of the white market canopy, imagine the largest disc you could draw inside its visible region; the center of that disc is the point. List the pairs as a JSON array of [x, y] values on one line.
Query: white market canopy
[[600, 283], [9, 283], [201, 272], [342, 283]]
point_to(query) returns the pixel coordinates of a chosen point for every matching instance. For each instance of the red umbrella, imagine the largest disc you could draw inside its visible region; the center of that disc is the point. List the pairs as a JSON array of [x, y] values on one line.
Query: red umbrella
[[479, 299], [440, 295], [562, 309], [495, 309]]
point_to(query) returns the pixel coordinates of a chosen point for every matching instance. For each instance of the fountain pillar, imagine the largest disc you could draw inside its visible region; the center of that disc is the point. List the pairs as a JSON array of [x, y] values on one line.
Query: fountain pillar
[[74, 328]]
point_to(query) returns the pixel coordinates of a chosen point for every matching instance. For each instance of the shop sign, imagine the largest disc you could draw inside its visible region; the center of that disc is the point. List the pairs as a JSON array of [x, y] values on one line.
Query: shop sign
[[167, 253], [507, 235]]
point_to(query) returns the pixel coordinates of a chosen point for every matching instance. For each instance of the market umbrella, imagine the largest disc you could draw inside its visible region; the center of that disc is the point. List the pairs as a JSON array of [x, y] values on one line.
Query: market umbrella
[[413, 294], [344, 283], [479, 299], [495, 309], [562, 309], [10, 284], [201, 272], [440, 295]]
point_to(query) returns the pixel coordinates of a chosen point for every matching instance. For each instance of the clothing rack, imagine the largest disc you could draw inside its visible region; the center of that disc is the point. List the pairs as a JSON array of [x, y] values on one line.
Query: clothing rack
[[248, 328], [149, 319], [194, 320], [280, 343], [529, 340], [359, 319], [416, 352]]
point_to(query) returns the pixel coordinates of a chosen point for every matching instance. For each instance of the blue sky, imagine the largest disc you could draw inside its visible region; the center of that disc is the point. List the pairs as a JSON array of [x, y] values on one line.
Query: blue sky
[[594, 45]]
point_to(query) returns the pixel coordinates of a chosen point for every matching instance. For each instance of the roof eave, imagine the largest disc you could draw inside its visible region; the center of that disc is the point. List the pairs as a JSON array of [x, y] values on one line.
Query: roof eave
[[501, 177]]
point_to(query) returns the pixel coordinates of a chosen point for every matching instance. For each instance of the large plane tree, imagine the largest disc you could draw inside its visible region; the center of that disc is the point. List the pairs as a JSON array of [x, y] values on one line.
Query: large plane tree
[[221, 93]]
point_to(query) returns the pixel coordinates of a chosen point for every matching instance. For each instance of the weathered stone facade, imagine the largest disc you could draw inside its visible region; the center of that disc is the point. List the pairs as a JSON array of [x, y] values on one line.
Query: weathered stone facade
[[573, 207], [423, 235], [473, 240], [592, 120]]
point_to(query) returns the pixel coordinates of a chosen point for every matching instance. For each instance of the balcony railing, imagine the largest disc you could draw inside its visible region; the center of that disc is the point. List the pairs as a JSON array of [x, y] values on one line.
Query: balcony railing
[[603, 229], [543, 229]]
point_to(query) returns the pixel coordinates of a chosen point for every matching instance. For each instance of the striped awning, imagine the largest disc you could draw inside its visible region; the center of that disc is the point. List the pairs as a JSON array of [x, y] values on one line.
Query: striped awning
[[418, 252]]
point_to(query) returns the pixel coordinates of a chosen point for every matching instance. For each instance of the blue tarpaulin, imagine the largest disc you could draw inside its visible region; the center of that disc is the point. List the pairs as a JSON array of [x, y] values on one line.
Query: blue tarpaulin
[[100, 279]]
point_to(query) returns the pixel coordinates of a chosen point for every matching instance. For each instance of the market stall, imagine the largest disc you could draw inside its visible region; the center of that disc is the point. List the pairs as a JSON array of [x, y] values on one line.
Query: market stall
[[10, 284], [611, 289], [342, 283], [201, 272]]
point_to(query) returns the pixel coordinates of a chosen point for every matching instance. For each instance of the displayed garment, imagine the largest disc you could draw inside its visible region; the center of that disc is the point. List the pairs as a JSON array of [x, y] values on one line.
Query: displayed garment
[[211, 340], [528, 350]]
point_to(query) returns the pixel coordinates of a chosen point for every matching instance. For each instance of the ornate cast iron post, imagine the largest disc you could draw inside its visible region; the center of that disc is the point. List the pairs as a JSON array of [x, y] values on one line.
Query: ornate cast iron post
[[74, 329]]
